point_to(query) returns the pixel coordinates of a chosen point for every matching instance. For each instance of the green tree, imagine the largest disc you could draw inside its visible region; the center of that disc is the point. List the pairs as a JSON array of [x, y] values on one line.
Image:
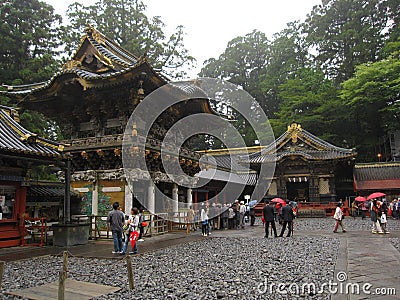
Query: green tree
[[311, 100], [243, 63], [30, 37], [288, 53], [347, 33], [125, 22], [373, 94]]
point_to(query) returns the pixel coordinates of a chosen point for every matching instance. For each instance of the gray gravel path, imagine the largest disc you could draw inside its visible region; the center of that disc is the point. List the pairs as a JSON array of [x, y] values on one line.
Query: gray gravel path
[[231, 264], [213, 268]]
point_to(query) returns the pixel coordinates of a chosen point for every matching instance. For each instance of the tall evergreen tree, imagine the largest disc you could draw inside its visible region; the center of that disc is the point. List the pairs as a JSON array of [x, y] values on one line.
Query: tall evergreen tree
[[373, 98], [346, 33], [30, 36], [125, 22]]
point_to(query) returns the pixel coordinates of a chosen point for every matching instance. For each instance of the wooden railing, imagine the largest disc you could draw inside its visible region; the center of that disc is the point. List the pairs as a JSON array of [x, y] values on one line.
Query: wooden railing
[[35, 232], [100, 229]]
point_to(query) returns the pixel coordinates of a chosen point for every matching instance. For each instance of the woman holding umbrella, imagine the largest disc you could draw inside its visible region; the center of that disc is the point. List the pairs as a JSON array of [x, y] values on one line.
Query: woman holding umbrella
[[362, 206]]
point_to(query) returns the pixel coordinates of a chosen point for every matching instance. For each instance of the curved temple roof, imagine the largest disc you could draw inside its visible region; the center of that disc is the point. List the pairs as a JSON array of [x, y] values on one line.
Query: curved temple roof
[[96, 58], [298, 142], [99, 62], [15, 139]]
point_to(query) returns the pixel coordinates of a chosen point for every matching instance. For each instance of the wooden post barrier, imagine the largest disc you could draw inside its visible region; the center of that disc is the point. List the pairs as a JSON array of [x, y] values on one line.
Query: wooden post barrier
[[1, 272], [65, 261], [130, 271], [61, 285], [63, 277]]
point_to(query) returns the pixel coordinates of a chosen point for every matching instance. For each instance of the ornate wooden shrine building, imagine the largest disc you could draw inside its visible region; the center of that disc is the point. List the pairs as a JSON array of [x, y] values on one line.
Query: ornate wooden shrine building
[[20, 150], [307, 168], [91, 98]]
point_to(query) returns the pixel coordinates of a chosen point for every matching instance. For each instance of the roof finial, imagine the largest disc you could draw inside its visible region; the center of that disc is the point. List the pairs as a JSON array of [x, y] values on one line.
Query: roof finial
[[294, 129]]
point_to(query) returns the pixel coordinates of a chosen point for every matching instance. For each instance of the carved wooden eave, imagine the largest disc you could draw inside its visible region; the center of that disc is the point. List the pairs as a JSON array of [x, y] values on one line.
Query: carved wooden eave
[[98, 62], [15, 139]]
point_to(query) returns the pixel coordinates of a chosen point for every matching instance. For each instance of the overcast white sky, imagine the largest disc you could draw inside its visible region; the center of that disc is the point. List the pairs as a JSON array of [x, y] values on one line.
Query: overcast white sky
[[211, 24]]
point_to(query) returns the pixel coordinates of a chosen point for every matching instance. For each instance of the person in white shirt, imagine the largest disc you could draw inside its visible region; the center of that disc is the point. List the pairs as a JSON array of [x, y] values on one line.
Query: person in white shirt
[[133, 232], [338, 216], [204, 222]]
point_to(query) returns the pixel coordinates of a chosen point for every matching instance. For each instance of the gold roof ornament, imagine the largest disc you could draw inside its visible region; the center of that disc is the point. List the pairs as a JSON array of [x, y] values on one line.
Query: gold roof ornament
[[71, 64], [293, 130]]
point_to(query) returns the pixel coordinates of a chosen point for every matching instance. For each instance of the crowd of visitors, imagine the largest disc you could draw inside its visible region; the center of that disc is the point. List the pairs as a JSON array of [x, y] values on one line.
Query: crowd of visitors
[[129, 229], [237, 214], [379, 210]]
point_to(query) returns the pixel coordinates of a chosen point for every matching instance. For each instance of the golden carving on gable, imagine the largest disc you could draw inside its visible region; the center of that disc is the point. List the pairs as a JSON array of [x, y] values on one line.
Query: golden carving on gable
[[98, 37], [72, 64], [294, 130]]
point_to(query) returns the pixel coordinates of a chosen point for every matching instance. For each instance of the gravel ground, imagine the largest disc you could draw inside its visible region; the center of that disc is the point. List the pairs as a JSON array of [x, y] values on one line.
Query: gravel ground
[[212, 268], [396, 243], [235, 267], [323, 224]]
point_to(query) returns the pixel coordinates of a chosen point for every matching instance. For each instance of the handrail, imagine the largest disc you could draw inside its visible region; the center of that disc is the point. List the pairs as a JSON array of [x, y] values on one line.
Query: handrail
[[33, 227]]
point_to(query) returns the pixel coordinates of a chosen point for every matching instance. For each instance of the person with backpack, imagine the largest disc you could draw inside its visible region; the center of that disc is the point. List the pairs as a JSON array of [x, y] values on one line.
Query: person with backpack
[[132, 232]]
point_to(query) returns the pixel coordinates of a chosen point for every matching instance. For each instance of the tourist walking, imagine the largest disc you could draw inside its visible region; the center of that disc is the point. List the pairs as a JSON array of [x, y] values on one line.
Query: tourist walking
[[269, 218], [252, 214], [236, 209], [190, 219], [375, 214], [116, 219], [396, 208], [224, 217], [231, 217], [354, 209], [287, 218], [204, 222], [242, 211], [384, 214], [338, 216], [141, 227], [364, 209], [133, 232]]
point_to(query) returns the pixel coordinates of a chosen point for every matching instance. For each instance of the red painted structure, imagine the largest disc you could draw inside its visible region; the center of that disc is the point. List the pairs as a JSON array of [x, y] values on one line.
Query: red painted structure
[[20, 150]]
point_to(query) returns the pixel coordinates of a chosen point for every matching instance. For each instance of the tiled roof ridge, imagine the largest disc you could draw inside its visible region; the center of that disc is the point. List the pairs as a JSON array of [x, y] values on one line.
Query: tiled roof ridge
[[27, 136], [103, 39], [377, 165]]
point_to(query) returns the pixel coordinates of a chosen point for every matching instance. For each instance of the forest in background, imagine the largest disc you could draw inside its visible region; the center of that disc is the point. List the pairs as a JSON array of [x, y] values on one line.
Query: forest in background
[[336, 73]]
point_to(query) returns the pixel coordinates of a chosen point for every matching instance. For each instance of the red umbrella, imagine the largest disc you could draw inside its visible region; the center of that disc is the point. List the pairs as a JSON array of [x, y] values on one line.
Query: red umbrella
[[360, 199], [375, 195], [279, 200]]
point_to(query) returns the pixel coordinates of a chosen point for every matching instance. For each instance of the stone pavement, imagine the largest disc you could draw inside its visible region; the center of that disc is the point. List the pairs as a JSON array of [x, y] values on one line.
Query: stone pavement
[[368, 267]]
